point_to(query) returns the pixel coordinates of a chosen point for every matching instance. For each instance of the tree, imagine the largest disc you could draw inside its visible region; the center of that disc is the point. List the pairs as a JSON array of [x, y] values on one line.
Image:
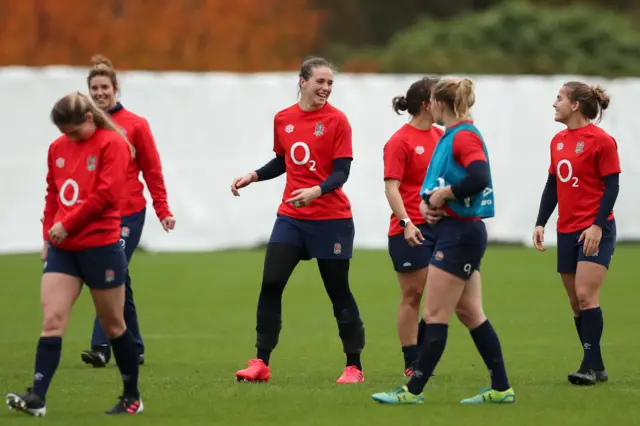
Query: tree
[[518, 38], [238, 35]]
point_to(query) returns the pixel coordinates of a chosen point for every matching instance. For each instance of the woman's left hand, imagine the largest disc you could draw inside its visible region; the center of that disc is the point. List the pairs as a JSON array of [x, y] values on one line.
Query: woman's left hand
[[591, 237]]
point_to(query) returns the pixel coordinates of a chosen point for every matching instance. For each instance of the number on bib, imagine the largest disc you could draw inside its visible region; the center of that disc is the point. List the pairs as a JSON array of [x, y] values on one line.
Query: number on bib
[[69, 183], [305, 159], [569, 176]]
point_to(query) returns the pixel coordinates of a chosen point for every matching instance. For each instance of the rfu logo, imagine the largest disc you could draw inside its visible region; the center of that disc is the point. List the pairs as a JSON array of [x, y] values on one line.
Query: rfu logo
[[419, 150]]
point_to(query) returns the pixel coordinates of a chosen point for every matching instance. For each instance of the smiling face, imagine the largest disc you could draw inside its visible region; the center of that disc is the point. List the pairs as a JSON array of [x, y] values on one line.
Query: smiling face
[[316, 90], [103, 92], [563, 105]]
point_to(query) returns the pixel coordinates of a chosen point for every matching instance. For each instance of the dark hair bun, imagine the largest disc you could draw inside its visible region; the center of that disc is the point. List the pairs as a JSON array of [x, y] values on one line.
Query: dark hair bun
[[400, 103]]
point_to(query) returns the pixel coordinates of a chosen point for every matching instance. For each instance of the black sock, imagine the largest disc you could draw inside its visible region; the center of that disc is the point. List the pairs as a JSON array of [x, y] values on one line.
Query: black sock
[[264, 355], [410, 355], [353, 360], [488, 345], [421, 326], [125, 352], [592, 326], [47, 360], [578, 321], [431, 350]]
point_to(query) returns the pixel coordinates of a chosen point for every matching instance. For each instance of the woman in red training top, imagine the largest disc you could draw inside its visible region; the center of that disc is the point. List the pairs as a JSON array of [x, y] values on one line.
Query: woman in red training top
[[406, 157], [87, 169], [583, 181], [103, 86]]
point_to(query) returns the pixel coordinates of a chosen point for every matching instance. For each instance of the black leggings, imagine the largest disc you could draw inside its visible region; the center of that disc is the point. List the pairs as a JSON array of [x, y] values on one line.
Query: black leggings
[[280, 262]]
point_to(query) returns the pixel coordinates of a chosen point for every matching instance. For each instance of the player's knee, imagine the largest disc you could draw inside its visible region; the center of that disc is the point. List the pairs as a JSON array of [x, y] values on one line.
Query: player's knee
[[586, 299], [411, 298], [436, 314], [347, 314], [470, 317], [54, 323], [113, 326], [273, 284]]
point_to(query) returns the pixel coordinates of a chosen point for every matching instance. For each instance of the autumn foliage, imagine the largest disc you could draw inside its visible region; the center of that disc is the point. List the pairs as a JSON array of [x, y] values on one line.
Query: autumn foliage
[[230, 35]]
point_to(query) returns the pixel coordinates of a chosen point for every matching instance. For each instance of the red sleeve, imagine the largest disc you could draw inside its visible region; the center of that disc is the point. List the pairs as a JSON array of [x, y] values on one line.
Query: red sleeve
[[277, 146], [467, 148], [50, 199], [343, 147], [395, 159], [552, 170], [148, 159], [110, 183], [607, 159]]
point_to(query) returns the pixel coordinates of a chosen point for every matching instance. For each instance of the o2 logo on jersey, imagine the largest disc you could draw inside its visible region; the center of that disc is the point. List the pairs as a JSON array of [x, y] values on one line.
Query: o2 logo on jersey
[[569, 176], [72, 185], [306, 158]]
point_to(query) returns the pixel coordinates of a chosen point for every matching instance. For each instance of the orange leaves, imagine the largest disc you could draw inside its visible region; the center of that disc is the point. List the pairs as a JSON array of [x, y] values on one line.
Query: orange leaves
[[229, 35]]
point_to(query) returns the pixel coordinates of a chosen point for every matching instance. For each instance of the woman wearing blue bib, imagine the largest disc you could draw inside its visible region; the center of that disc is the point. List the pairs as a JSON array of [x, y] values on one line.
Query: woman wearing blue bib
[[457, 194]]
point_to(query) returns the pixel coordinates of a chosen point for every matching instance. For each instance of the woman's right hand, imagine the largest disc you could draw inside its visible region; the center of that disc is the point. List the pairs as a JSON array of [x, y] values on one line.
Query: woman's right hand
[[243, 181], [538, 238]]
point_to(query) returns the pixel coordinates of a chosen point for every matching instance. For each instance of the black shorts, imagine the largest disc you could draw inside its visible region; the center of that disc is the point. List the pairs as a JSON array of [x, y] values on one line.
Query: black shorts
[[460, 246], [406, 258], [99, 268], [318, 239], [570, 252]]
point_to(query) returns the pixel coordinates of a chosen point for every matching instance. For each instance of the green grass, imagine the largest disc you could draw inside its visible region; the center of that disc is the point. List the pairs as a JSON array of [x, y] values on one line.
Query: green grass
[[197, 316]]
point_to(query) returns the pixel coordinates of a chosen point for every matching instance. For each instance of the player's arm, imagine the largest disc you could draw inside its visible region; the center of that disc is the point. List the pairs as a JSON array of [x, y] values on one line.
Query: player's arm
[[148, 159], [342, 157], [338, 177], [548, 201], [468, 151], [277, 166], [110, 183], [274, 168], [395, 159], [50, 199], [608, 164]]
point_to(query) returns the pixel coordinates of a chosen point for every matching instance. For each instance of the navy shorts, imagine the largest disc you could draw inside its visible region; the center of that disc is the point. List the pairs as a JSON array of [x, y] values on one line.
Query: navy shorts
[[318, 239], [570, 252], [406, 258], [460, 246], [131, 231], [99, 268]]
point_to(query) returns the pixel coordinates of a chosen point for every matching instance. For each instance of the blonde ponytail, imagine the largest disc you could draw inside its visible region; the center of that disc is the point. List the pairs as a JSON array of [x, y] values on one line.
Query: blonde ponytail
[[457, 94], [464, 99]]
